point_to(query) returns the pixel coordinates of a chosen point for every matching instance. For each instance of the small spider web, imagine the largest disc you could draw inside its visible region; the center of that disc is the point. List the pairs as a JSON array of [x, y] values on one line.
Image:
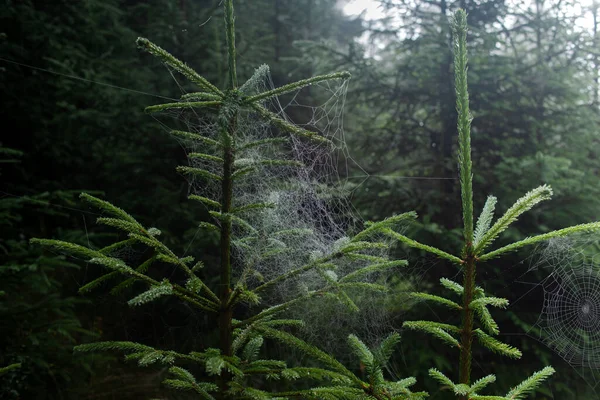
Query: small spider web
[[569, 323]]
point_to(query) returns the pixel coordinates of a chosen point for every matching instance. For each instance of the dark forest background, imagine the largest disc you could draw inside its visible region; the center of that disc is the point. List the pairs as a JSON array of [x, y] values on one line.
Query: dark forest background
[[74, 87]]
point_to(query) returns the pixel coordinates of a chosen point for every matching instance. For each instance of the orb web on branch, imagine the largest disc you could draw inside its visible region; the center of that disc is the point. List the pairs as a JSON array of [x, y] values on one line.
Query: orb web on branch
[[570, 319]]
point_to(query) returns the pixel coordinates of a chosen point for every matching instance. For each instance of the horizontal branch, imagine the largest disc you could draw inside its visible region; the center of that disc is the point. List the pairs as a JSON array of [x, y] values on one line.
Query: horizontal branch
[[296, 86], [590, 227], [413, 243]]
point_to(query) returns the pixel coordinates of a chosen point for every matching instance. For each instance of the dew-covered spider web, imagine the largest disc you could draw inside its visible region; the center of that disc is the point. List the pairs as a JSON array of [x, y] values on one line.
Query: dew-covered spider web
[[569, 323], [309, 215]]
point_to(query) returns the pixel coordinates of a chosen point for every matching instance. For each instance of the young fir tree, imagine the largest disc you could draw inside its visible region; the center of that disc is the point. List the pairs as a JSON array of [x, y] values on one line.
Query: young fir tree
[[477, 321], [233, 367]]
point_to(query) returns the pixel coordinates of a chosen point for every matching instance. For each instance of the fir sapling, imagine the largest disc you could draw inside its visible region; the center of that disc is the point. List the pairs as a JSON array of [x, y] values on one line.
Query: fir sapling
[[254, 171], [477, 321]]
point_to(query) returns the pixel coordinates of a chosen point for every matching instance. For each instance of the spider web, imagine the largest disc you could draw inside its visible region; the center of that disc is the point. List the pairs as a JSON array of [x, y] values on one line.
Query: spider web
[[310, 214], [569, 323]]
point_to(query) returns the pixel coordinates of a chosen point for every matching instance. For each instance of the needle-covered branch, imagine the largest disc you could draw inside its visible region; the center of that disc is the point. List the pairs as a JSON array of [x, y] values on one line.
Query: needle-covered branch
[[572, 230], [178, 65], [291, 87], [464, 121]]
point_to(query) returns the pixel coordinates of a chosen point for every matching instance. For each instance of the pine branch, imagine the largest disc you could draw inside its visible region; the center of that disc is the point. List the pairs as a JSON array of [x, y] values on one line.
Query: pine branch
[[436, 299], [178, 65], [196, 137], [385, 350], [200, 96], [491, 301], [435, 329], [198, 172], [486, 320], [8, 368], [485, 219], [451, 285], [413, 243], [441, 378], [360, 273], [307, 349], [162, 289], [522, 205], [373, 228], [206, 201], [497, 346], [206, 157], [482, 383], [106, 206], [98, 281], [290, 87], [182, 105], [589, 227], [530, 384], [288, 127]]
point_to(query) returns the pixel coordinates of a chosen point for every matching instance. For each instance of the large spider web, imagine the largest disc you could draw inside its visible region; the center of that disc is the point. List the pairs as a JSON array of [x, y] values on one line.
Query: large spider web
[[569, 323], [311, 206]]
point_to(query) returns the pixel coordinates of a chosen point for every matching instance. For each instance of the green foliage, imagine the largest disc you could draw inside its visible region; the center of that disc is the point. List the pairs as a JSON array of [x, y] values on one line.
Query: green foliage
[[414, 136], [234, 367], [40, 323], [474, 299]]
